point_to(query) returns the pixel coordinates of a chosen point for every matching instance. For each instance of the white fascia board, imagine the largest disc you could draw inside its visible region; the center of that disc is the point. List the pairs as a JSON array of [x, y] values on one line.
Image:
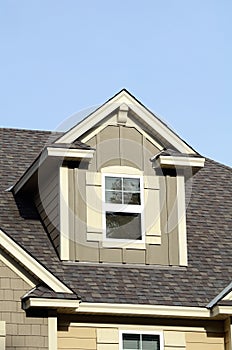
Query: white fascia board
[[179, 161], [70, 153], [32, 265], [148, 117], [52, 152], [51, 303], [145, 310], [221, 310]]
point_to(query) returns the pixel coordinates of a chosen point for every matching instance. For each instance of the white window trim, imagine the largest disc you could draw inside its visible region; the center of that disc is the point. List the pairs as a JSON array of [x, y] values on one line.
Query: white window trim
[[126, 208], [159, 333]]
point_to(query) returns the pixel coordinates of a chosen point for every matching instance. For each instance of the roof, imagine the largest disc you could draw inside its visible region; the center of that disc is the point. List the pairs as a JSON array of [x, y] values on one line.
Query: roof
[[209, 222]]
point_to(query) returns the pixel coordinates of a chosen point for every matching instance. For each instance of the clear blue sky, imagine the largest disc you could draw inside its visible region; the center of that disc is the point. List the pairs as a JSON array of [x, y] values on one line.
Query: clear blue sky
[[60, 57]]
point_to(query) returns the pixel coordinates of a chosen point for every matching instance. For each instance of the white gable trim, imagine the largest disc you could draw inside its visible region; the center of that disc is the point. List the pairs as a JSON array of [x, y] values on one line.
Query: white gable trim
[[33, 265], [109, 123], [123, 97]]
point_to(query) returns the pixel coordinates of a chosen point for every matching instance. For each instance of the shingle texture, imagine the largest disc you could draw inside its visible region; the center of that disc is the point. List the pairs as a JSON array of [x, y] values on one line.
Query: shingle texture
[[209, 223]]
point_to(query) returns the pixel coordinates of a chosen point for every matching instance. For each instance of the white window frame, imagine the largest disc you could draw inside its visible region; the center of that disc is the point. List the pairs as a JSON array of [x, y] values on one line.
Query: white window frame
[[159, 333], [123, 208]]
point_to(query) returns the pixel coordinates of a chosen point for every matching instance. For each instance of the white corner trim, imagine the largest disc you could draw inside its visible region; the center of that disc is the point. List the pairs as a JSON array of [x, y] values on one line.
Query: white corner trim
[[52, 333], [64, 214], [51, 303], [33, 265], [180, 161], [145, 310], [70, 153], [181, 212], [2, 328]]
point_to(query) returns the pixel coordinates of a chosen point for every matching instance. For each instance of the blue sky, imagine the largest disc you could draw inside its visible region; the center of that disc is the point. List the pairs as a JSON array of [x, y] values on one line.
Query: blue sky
[[60, 57]]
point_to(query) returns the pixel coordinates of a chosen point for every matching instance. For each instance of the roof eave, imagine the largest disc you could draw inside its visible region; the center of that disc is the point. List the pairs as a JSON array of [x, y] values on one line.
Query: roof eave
[[48, 153]]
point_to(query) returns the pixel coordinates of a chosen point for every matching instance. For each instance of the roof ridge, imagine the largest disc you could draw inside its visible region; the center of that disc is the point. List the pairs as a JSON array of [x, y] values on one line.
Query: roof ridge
[[24, 129]]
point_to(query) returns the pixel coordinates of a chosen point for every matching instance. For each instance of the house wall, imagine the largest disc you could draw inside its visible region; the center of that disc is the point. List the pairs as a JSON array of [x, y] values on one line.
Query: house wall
[[122, 146], [22, 332], [47, 203], [87, 336]]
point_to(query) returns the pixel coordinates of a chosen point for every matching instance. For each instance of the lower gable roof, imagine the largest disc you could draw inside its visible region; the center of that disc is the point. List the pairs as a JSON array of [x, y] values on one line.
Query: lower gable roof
[[209, 225]]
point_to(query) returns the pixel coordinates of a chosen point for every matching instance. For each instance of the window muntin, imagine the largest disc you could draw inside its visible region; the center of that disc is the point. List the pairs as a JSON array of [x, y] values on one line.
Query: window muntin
[[123, 205], [122, 190], [141, 341]]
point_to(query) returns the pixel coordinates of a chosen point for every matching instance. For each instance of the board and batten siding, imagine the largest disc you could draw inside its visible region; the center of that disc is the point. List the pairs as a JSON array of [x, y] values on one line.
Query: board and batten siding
[[106, 337], [120, 146]]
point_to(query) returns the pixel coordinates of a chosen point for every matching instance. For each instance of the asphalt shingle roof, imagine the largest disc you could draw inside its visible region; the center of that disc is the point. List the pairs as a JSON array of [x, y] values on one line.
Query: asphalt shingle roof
[[209, 223]]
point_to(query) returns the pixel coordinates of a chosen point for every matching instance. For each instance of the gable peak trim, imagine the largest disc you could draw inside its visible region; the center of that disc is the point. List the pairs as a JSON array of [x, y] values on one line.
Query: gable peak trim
[[113, 104]]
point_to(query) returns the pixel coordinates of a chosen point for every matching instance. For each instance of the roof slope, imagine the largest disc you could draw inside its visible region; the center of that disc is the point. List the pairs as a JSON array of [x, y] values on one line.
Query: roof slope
[[209, 222]]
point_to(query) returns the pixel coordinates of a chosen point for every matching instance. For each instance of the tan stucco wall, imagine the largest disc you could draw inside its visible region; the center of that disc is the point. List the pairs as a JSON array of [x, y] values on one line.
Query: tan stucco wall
[[106, 336], [22, 332]]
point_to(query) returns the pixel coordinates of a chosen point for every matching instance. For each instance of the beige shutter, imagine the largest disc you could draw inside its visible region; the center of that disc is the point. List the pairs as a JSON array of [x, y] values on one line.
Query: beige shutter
[[94, 206], [152, 210]]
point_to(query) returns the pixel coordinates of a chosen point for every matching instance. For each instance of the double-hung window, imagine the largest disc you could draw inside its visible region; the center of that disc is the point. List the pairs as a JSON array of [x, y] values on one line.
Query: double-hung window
[[141, 341], [123, 207]]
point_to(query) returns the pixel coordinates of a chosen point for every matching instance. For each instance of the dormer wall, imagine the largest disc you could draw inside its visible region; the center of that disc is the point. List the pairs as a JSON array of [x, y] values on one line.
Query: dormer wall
[[120, 149], [117, 193]]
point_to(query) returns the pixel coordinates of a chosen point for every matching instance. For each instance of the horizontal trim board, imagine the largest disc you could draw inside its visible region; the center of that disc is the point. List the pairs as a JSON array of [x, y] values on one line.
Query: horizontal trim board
[[179, 161], [70, 153], [147, 310], [54, 303]]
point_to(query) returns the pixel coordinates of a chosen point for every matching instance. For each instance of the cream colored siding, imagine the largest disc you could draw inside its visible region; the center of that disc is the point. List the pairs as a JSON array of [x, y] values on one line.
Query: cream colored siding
[[174, 340], [204, 341], [107, 338], [83, 338], [174, 337], [22, 332], [47, 203]]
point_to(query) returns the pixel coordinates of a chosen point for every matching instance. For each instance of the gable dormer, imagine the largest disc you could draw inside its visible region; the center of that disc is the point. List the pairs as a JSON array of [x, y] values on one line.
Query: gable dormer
[[112, 189]]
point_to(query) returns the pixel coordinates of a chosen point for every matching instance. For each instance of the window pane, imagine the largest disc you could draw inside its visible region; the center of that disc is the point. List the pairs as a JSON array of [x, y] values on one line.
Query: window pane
[[113, 183], [131, 198], [150, 342], [131, 341], [123, 225], [114, 197], [130, 184]]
